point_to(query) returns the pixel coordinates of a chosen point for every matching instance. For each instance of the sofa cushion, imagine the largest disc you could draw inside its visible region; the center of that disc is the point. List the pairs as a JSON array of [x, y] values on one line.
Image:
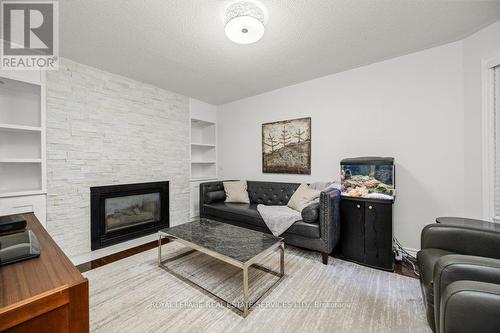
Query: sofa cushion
[[241, 212], [302, 197], [236, 191], [249, 214], [309, 230], [215, 196], [270, 193], [310, 214]]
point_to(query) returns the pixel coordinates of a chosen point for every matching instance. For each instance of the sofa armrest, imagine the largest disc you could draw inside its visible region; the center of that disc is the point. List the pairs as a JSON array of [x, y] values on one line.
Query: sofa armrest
[[205, 189], [329, 220], [470, 306], [454, 267], [462, 240]]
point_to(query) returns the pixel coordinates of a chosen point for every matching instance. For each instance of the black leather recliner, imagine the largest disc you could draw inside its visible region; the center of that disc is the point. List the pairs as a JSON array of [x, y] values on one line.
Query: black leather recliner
[[460, 277], [321, 235]]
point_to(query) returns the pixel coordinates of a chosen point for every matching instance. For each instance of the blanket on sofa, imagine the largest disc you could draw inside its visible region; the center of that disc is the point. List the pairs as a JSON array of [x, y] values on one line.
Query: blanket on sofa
[[278, 218]]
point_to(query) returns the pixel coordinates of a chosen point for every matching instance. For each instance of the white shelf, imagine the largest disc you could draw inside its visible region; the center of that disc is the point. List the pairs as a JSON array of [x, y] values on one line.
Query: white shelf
[[203, 162], [21, 193], [20, 177], [201, 122], [19, 128], [20, 160], [20, 103], [200, 179], [209, 145], [15, 145], [22, 136]]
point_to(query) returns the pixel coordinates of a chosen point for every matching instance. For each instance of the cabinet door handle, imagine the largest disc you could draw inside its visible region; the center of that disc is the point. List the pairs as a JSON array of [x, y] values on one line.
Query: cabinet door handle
[[370, 207], [358, 206]]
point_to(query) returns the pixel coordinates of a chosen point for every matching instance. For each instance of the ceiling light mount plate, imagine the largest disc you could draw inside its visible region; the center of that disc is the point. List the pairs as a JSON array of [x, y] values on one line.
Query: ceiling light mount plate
[[244, 22]]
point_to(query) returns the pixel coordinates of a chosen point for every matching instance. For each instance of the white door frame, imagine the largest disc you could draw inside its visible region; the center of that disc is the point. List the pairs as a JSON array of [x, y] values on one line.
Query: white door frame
[[488, 135]]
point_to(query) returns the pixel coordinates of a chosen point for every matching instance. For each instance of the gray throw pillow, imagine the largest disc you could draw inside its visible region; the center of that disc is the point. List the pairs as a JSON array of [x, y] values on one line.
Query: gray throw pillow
[[310, 214]]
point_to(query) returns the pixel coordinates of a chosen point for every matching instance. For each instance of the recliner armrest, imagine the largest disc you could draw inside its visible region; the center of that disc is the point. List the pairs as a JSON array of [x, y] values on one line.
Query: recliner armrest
[[462, 240], [470, 306], [454, 267]]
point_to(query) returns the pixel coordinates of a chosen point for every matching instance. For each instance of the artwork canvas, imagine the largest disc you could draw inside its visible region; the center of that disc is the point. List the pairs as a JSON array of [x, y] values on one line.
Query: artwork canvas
[[286, 146]]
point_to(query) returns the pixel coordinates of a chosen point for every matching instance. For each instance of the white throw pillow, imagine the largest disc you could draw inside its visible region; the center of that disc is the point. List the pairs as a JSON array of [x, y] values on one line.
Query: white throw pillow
[[236, 191], [302, 197]]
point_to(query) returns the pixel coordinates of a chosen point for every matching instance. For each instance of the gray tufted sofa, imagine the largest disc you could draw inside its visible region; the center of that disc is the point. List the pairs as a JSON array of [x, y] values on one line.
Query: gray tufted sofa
[[320, 235]]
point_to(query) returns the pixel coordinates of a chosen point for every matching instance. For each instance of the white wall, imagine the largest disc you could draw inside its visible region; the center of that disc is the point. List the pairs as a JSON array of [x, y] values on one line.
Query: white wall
[[105, 129], [482, 45], [409, 107]]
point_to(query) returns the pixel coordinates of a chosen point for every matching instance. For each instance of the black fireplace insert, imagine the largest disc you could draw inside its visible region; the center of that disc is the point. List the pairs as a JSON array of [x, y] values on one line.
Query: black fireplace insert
[[122, 212]]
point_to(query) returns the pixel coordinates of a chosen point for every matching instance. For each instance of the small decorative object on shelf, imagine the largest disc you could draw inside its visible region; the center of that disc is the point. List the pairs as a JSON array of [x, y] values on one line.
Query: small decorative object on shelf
[[368, 192]]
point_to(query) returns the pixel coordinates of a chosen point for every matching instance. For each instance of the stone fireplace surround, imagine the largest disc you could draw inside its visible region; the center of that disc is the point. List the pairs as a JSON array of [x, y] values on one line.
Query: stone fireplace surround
[[105, 129]]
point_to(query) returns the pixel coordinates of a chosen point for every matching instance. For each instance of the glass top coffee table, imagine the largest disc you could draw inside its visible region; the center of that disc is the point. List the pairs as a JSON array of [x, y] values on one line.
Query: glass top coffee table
[[237, 246]]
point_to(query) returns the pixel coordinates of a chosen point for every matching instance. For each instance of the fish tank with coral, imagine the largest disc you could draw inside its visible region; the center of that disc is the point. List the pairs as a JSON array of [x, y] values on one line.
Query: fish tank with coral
[[368, 177]]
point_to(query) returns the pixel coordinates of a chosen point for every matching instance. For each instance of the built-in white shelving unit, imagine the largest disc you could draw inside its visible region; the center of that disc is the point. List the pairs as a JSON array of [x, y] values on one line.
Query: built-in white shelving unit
[[203, 148], [22, 143]]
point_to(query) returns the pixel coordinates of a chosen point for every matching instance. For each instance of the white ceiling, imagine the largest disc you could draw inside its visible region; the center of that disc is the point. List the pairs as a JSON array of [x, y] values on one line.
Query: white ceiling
[[179, 45]]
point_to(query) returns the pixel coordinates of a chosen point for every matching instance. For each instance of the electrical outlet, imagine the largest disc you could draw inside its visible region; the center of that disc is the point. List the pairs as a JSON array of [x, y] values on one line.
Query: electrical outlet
[[398, 256]]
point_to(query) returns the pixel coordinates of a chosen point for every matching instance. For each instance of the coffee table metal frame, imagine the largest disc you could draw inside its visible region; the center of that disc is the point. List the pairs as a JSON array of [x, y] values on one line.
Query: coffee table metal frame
[[278, 246]]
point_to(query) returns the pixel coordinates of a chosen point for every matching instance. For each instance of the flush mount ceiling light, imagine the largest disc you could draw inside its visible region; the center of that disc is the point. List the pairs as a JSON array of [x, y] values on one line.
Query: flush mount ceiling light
[[244, 22]]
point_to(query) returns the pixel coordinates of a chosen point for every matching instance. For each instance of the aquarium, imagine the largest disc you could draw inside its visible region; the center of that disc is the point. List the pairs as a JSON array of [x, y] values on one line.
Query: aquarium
[[368, 177]]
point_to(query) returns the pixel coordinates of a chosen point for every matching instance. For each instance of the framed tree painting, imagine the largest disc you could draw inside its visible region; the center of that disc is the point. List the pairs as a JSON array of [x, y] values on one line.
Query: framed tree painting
[[286, 146]]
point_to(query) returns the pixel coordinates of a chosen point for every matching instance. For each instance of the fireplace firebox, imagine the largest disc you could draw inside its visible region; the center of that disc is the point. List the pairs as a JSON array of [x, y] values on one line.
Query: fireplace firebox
[[123, 212]]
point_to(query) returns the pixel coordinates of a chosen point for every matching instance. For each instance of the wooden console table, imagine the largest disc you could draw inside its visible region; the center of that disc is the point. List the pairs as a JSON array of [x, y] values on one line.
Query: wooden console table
[[45, 294]]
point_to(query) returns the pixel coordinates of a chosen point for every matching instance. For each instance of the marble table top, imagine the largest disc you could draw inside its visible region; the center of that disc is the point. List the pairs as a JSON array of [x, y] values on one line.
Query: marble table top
[[238, 243]]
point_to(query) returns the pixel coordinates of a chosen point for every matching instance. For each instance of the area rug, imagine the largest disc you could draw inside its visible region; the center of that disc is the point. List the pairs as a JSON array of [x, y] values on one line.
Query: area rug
[[135, 295]]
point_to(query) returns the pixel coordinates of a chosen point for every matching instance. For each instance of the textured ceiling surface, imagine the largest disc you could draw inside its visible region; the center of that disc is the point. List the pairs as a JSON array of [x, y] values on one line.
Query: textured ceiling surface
[[179, 45]]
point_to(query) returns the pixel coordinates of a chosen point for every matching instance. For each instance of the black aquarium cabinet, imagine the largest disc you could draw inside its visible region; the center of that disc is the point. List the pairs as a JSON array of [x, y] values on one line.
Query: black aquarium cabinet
[[366, 232], [368, 192]]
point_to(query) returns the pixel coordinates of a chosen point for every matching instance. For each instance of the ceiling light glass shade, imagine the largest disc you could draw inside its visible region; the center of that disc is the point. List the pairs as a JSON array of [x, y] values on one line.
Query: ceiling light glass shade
[[244, 23]]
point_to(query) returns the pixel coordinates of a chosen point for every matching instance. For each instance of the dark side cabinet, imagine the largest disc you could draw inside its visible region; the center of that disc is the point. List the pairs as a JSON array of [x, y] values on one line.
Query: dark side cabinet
[[366, 232]]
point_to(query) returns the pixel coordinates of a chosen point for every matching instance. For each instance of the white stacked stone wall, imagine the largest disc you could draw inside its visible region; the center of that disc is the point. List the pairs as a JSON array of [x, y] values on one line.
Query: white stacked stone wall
[[104, 129]]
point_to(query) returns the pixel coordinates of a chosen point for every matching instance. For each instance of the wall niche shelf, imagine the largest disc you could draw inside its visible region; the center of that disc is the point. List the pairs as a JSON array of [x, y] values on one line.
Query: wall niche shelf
[[19, 128], [203, 119], [22, 143], [203, 148], [21, 160], [202, 144], [201, 179], [19, 194]]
